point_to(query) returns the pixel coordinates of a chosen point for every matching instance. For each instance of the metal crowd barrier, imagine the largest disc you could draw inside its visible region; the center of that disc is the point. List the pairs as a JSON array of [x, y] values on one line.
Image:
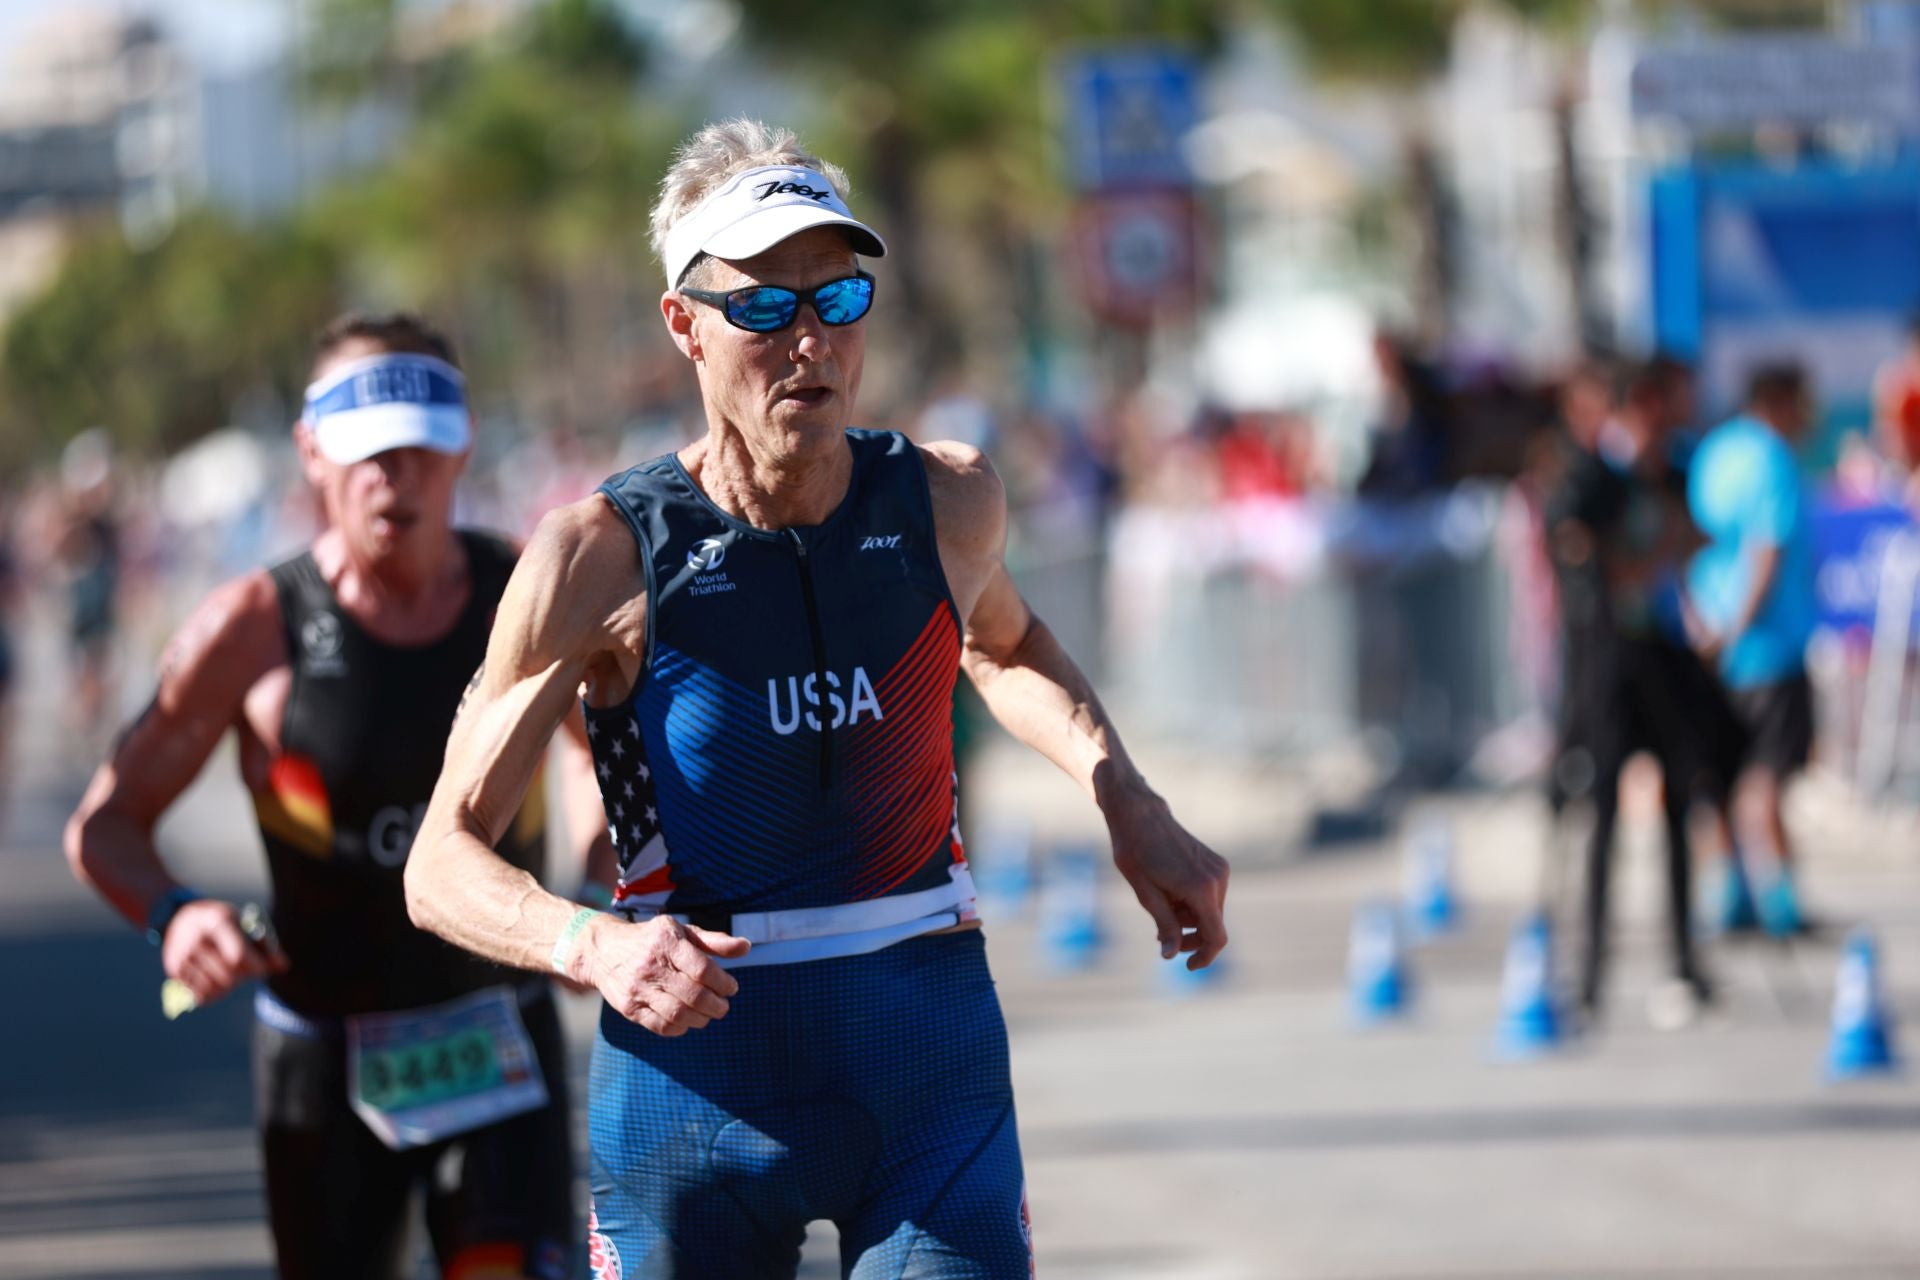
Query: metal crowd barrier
[[1293, 628]]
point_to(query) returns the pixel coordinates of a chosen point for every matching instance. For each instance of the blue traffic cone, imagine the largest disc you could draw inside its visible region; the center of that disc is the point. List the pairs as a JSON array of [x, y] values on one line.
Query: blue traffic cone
[[1180, 982], [1070, 933], [1378, 986], [1002, 864], [1530, 1022], [1862, 1039], [1432, 907]]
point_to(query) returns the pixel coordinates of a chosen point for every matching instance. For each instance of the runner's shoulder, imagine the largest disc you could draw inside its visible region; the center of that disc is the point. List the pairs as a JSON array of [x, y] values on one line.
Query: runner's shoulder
[[579, 572], [235, 634], [969, 500]]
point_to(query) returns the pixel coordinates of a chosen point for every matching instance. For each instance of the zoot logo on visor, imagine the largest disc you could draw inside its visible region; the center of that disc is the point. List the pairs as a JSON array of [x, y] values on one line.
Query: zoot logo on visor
[[391, 401], [757, 209]]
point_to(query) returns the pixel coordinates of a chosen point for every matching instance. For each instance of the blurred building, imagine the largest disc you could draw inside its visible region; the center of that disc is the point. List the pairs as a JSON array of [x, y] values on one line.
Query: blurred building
[[95, 114], [105, 115], [1284, 163]]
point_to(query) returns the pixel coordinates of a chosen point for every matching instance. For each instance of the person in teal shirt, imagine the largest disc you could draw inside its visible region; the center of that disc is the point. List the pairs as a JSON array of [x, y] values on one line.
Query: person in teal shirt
[[1753, 610]]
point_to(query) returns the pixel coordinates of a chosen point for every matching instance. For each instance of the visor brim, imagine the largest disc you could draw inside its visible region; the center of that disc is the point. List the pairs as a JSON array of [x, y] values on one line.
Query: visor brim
[[359, 434]]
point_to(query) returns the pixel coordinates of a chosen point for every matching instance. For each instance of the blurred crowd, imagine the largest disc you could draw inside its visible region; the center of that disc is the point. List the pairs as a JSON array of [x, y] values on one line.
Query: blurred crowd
[[1628, 615]]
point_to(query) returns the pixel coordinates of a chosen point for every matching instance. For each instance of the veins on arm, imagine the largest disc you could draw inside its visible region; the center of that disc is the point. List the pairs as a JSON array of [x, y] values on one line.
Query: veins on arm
[[226, 645], [552, 627]]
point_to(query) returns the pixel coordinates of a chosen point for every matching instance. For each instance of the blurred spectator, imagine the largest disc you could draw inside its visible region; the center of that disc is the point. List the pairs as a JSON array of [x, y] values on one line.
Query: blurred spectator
[[1265, 455], [1859, 473], [1896, 409], [1533, 617], [1410, 436], [89, 555], [9, 609], [1580, 492], [1620, 524], [1752, 593]]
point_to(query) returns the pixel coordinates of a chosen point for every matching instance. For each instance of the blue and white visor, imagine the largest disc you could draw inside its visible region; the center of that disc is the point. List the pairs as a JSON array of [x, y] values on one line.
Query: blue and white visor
[[391, 401]]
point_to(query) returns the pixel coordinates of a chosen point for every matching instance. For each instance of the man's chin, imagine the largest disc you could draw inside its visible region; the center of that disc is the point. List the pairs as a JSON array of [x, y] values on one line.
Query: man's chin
[[825, 418], [383, 541]]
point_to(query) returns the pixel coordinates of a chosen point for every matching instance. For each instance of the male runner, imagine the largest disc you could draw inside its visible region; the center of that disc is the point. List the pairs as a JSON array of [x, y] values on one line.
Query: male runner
[[1896, 411], [765, 627], [340, 672]]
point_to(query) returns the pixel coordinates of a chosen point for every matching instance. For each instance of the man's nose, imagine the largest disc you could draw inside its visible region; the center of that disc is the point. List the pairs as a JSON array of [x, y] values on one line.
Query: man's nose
[[811, 336]]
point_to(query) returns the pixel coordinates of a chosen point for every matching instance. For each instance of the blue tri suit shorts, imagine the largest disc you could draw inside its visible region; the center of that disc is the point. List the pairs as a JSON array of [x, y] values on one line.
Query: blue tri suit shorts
[[870, 1090]]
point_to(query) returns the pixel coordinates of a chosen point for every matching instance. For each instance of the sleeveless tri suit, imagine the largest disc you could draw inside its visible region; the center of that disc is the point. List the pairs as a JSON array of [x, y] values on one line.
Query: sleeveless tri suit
[[362, 740], [783, 771]]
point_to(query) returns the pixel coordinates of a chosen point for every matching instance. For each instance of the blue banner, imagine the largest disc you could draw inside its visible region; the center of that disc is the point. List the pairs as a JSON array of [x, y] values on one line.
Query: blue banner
[[1849, 547]]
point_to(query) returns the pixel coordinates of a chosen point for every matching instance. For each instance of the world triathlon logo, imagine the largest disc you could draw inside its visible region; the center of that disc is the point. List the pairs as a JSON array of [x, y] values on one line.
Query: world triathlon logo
[[707, 555], [322, 638]]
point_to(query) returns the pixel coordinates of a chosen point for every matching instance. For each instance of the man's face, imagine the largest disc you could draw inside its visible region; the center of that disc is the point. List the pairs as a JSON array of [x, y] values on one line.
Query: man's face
[[1585, 403], [1681, 403], [1792, 414], [791, 389], [393, 506]]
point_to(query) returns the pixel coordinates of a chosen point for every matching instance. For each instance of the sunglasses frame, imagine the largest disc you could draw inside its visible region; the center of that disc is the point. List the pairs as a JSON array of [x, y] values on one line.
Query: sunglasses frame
[[721, 301]]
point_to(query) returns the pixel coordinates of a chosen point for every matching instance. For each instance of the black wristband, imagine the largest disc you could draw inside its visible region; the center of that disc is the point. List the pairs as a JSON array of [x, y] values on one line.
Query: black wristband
[[164, 909]]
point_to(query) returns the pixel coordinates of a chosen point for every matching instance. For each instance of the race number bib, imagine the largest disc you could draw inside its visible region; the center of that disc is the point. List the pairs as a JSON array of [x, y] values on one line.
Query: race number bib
[[421, 1075]]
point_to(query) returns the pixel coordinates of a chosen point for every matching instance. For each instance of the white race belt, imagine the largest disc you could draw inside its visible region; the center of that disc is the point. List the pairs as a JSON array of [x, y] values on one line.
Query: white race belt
[[850, 928]]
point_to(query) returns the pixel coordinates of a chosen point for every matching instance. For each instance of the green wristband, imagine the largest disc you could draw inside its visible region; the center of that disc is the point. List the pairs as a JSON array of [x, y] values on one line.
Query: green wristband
[[563, 945]]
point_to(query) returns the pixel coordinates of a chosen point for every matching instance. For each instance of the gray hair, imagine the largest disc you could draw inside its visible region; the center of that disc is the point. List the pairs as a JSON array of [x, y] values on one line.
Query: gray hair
[[712, 155]]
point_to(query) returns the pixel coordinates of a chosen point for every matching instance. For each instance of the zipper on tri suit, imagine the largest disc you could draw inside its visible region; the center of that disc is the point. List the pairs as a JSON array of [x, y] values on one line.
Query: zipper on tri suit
[[819, 659]]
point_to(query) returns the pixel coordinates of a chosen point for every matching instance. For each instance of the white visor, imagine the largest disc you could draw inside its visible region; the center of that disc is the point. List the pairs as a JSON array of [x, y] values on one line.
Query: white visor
[[358, 434], [758, 209], [395, 400]]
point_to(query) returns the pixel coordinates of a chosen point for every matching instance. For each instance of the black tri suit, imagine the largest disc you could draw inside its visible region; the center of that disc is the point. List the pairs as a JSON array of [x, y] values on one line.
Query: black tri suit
[[387, 1062]]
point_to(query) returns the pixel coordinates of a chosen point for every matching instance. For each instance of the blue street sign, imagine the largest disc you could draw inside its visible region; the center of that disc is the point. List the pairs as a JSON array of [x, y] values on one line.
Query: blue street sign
[[1128, 111]]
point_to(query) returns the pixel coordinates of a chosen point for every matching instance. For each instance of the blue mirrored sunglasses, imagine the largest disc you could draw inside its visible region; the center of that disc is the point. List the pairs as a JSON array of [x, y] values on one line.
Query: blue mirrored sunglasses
[[768, 308]]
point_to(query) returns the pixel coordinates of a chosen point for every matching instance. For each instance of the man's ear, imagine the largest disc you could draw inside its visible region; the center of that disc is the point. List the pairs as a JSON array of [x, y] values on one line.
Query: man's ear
[[312, 464], [679, 317]]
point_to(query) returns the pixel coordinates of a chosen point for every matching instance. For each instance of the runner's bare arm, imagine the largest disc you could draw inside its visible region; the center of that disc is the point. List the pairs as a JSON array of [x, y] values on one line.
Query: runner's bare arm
[[575, 792], [573, 617], [1038, 694], [226, 645]]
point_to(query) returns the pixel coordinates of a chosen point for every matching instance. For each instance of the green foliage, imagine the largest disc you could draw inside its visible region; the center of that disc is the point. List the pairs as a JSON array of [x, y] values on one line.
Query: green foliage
[[583, 40], [516, 211], [349, 46], [1398, 40], [156, 343], [1391, 39]]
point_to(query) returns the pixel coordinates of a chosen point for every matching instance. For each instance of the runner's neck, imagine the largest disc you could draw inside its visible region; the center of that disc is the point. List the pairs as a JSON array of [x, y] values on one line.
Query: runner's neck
[[403, 602], [765, 490]]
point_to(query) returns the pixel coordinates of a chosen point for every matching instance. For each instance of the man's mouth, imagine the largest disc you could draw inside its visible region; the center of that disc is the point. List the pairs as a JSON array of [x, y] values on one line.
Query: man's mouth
[[397, 521], [811, 397]]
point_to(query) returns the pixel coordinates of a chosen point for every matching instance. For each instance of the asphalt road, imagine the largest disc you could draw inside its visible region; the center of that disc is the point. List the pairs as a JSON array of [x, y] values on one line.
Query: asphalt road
[[1243, 1130]]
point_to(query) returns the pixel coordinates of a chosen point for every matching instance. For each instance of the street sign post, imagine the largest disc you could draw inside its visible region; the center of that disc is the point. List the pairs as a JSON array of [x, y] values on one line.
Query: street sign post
[[1129, 110]]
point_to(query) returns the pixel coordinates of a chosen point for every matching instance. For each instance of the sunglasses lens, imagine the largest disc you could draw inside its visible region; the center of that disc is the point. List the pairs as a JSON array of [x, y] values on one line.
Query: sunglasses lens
[[844, 301], [763, 309]]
